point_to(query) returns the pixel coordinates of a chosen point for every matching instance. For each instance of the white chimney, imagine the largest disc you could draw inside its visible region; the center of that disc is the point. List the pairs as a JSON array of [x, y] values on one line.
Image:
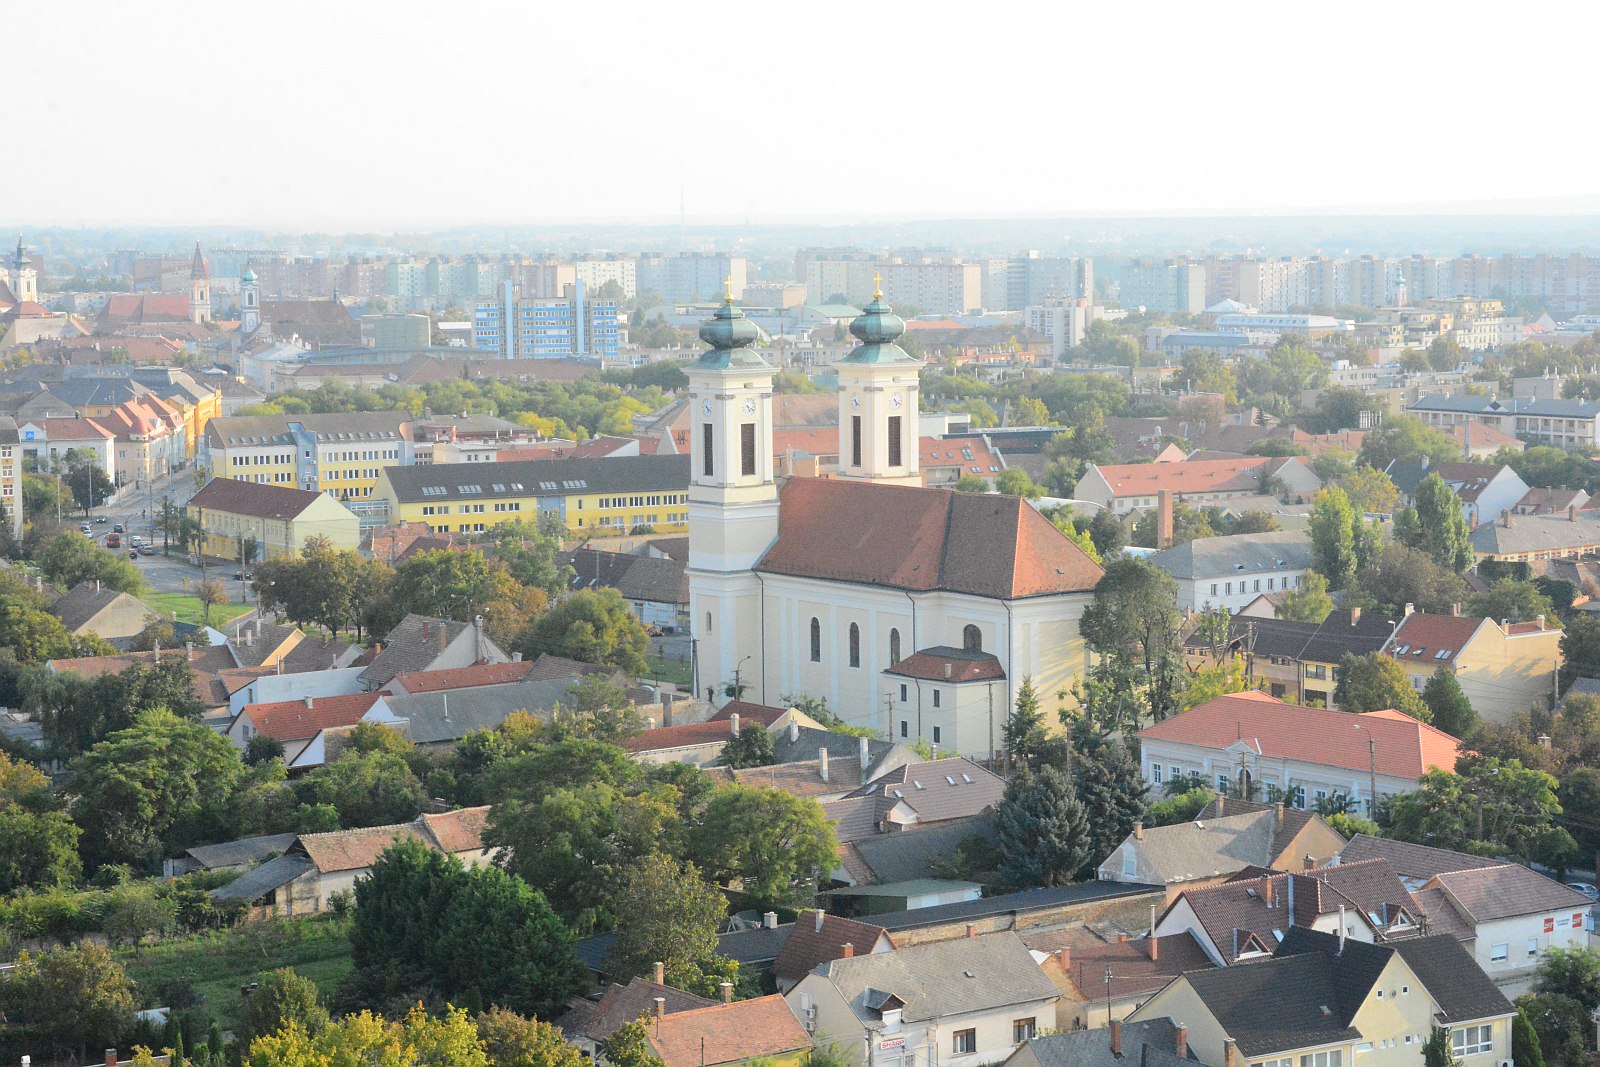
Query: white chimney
[[822, 763], [794, 730], [733, 724], [769, 920], [818, 913], [310, 702]]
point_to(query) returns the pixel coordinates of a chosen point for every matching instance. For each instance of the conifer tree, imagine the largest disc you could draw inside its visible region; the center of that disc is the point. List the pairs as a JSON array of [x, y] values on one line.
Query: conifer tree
[[1042, 830], [1452, 711]]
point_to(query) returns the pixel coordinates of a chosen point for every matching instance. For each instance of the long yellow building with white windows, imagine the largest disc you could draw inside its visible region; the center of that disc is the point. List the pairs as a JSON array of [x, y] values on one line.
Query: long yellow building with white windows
[[337, 454]]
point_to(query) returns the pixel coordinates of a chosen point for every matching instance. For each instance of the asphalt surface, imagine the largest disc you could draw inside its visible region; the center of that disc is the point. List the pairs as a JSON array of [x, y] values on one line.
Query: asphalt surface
[[136, 509]]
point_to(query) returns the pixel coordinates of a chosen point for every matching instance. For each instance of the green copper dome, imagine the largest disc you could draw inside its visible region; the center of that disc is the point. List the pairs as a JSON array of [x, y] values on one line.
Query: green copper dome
[[727, 332], [248, 277], [877, 328]]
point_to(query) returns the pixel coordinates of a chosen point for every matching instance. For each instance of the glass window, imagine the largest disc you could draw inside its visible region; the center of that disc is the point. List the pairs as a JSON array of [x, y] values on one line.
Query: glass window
[[1533, 946], [1471, 1040], [1330, 1058], [905, 728], [816, 641], [964, 1041], [935, 698], [855, 645], [1499, 953], [971, 638], [894, 651], [936, 735], [1155, 773], [1023, 1030]]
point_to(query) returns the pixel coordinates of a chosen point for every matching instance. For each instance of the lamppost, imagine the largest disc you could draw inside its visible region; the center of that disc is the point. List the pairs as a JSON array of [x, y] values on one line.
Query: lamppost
[[738, 688], [1372, 770], [1109, 976]]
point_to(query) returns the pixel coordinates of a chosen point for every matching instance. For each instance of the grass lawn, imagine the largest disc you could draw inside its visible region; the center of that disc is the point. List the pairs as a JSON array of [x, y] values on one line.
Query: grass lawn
[[218, 963], [187, 608], [668, 670]]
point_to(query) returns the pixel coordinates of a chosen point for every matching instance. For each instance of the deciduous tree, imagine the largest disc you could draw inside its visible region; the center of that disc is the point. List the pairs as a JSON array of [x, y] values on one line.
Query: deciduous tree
[[1375, 682], [1308, 602], [1452, 711], [1333, 551], [1132, 623], [770, 843], [595, 626], [281, 997]]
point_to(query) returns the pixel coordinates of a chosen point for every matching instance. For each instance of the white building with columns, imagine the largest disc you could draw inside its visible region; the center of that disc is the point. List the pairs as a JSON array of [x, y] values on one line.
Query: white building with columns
[[915, 611]]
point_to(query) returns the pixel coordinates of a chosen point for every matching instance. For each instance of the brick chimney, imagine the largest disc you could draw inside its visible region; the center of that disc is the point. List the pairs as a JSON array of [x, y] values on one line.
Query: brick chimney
[[1505, 518], [661, 1007], [1310, 863], [1064, 955], [658, 973], [847, 951], [1222, 804], [972, 931], [1138, 830], [1266, 891], [444, 639], [1183, 1042], [1164, 518], [726, 988], [1116, 1039], [1355, 616], [1230, 1053]]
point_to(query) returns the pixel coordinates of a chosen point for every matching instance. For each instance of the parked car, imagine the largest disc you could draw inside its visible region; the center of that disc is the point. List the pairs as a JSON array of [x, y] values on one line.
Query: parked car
[[146, 550], [242, 576], [100, 519], [1586, 888], [135, 540], [113, 540]]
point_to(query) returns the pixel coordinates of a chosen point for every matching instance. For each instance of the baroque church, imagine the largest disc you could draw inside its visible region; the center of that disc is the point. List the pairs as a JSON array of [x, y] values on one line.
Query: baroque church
[[913, 611]]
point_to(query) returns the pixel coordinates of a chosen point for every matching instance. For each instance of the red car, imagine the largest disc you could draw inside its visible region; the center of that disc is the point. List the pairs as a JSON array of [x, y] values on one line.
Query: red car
[[114, 541]]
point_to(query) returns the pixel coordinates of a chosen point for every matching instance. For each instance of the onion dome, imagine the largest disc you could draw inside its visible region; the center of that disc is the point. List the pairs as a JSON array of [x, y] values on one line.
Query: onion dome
[[877, 328], [727, 332], [248, 277]]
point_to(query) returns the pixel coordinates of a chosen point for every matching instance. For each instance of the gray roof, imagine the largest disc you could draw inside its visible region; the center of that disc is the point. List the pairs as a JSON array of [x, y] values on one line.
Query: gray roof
[[1446, 970], [1223, 557], [450, 714], [1420, 862], [1209, 848], [1150, 1043], [412, 645], [809, 740], [440, 482], [910, 887], [936, 789], [943, 978], [912, 853], [1506, 891], [83, 602], [1537, 533], [238, 853], [253, 885], [1562, 409]]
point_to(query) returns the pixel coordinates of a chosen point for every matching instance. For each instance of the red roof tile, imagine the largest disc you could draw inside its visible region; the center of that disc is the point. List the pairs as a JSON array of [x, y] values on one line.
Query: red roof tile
[[809, 945], [699, 733], [461, 677], [247, 498], [945, 664], [290, 720], [1405, 747], [1424, 636], [1193, 476], [924, 539], [728, 1033]]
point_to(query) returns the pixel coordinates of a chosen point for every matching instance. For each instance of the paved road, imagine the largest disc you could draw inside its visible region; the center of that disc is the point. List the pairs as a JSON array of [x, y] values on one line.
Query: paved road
[[136, 509]]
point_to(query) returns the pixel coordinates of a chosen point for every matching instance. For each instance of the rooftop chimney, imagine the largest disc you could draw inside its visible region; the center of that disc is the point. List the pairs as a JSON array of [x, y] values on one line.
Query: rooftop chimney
[[794, 730], [947, 667], [1138, 830], [1164, 519], [1540, 620], [1116, 1038], [1183, 1042], [1266, 891], [769, 920], [972, 931], [97, 585], [658, 973], [661, 1006], [1065, 956], [1572, 513], [1277, 816], [1455, 610], [1230, 1053], [1222, 803], [444, 639], [1505, 518], [733, 724], [818, 913], [1341, 929], [111, 1057], [727, 991], [864, 752], [1310, 864], [847, 950], [310, 702], [1355, 616], [822, 763], [1410, 609]]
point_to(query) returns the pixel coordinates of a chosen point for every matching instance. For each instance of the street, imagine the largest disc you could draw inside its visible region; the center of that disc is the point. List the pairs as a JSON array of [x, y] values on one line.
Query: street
[[136, 510]]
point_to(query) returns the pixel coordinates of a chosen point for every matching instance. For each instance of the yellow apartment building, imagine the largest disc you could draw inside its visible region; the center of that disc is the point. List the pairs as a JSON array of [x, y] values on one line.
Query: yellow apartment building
[[1504, 667], [279, 518], [588, 496], [340, 455]]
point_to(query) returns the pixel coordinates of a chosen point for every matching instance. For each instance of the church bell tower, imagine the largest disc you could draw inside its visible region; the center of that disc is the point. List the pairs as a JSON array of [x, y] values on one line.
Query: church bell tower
[[199, 288], [23, 277], [878, 401], [249, 302], [733, 502]]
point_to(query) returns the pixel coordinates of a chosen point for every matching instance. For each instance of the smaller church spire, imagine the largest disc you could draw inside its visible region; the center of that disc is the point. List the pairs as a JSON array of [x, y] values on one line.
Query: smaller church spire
[[21, 259], [199, 268]]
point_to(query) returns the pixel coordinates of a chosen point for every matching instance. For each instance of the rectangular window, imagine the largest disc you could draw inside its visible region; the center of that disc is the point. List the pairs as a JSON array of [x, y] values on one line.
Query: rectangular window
[[747, 448], [936, 735], [1471, 1040], [902, 694], [964, 1042], [1023, 1030], [1331, 1058], [1155, 771], [1213, 588], [935, 698], [1175, 772], [1533, 946], [1286, 1061], [905, 728], [708, 437], [1223, 784], [1499, 953], [855, 440], [894, 440]]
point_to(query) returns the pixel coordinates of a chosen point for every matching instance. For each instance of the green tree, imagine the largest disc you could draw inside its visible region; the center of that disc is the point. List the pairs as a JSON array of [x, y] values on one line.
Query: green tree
[[281, 997], [1107, 533], [1508, 598], [1525, 1048], [1370, 491], [1573, 972], [447, 584], [69, 558], [446, 1040], [1042, 830], [673, 917], [1111, 789], [1439, 527], [529, 551], [511, 1040], [1014, 481], [1132, 623], [1211, 681], [73, 998], [751, 748], [1375, 682], [1308, 602], [1253, 522], [88, 481], [1436, 1052], [1580, 648], [1403, 437], [629, 1046], [374, 788], [134, 911], [1560, 1025], [152, 790], [1490, 807], [595, 626], [1332, 538], [1024, 735], [773, 844], [971, 483], [1451, 710], [1399, 576]]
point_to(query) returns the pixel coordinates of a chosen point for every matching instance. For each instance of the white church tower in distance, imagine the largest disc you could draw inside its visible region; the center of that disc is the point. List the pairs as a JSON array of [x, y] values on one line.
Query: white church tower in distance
[[733, 500], [878, 393]]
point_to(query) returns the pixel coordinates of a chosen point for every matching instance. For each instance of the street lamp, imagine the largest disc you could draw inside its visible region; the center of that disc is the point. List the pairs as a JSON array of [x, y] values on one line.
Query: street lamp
[[1109, 976], [1372, 770]]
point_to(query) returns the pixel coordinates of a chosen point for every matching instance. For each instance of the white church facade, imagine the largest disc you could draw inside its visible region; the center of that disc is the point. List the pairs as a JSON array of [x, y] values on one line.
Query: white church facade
[[911, 610]]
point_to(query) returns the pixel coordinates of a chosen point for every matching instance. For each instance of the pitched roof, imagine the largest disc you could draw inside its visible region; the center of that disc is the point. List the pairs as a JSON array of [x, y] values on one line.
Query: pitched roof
[[801, 778], [1355, 632], [1215, 557], [1505, 891], [248, 498], [646, 578], [414, 682], [291, 720], [913, 538], [237, 853], [941, 978], [1405, 747], [549, 668], [433, 483], [728, 1033], [1148, 1043], [1432, 639], [1207, 847], [449, 714], [1446, 970], [411, 646], [1192, 476], [1289, 1002], [912, 853], [1419, 862], [79, 605], [1469, 480], [944, 663], [355, 850], [936, 790], [1536, 533], [699, 733], [623, 1004], [815, 942], [1134, 973]]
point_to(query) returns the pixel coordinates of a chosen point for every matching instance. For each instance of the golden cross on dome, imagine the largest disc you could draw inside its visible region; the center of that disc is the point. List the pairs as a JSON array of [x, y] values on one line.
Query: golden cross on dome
[[728, 284], [877, 285]]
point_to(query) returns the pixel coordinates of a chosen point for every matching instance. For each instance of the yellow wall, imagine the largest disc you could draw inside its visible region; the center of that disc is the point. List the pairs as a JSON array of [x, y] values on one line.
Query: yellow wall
[[584, 513], [276, 538]]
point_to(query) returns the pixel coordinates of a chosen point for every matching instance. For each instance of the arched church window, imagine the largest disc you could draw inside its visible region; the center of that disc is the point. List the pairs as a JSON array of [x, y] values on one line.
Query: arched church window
[[855, 645], [972, 638], [816, 641], [708, 622], [894, 647]]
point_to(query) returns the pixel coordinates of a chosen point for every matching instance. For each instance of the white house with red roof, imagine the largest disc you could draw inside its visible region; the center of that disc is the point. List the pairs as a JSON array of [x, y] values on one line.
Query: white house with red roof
[[1503, 667], [48, 440], [303, 726], [1253, 741], [1125, 487], [826, 588]]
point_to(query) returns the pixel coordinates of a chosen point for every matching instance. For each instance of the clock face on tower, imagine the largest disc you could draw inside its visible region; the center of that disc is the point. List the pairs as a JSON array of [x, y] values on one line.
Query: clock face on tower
[[896, 400], [749, 405], [706, 407], [855, 401]]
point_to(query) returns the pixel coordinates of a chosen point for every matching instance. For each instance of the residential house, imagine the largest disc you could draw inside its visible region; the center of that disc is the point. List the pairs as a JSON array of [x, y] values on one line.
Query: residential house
[[702, 743], [911, 854], [656, 589], [1487, 490], [1249, 741], [1246, 917], [1480, 441], [421, 643], [1504, 667], [436, 720], [317, 866], [273, 688], [338, 454], [1227, 837], [1295, 661], [303, 727], [46, 441], [957, 1003], [1562, 423], [1508, 916], [88, 608], [237, 855], [760, 1030], [1229, 572], [1552, 501], [1527, 539], [289, 649], [946, 460], [411, 682], [277, 520], [913, 894], [1078, 959], [1122, 488], [1152, 1043], [149, 439], [586, 1022], [916, 794], [820, 938], [1327, 1001]]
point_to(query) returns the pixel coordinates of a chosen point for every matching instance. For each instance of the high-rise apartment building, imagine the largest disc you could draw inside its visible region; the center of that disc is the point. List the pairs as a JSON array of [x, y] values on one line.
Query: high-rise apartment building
[[1033, 280], [692, 276], [595, 272], [571, 325], [1171, 286]]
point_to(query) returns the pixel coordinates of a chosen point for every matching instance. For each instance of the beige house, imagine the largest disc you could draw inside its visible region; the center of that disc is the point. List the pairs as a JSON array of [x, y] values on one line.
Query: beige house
[[316, 866], [278, 519], [1325, 1001], [89, 608], [1504, 667]]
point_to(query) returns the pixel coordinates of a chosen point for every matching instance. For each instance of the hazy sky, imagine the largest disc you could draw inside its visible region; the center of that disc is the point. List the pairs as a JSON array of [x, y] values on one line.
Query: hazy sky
[[341, 113]]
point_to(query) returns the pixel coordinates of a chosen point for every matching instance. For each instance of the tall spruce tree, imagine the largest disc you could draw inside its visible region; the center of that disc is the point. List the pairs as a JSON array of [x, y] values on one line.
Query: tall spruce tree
[[1111, 789], [1452, 711], [1024, 735], [1042, 830]]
